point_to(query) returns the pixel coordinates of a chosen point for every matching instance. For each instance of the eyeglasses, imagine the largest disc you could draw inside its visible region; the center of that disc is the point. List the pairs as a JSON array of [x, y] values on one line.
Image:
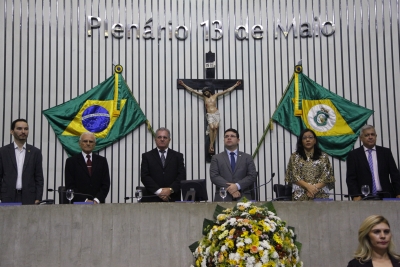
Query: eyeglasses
[[370, 134], [162, 137], [87, 141], [231, 136], [308, 137]]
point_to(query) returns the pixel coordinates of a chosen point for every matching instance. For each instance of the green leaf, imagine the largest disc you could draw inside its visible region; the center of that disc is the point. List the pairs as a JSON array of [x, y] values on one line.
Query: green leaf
[[270, 206], [298, 245], [207, 225], [218, 210], [193, 246]]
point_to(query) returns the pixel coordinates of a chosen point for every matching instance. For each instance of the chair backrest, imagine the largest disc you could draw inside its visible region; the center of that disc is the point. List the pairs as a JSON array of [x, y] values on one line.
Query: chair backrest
[[62, 198], [255, 190], [283, 192]]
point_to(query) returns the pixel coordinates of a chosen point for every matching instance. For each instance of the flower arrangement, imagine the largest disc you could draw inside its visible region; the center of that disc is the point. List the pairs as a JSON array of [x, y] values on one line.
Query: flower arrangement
[[246, 235]]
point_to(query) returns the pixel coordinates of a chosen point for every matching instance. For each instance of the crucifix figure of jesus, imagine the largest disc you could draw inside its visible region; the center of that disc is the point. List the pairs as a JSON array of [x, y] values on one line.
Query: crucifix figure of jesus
[[212, 113]]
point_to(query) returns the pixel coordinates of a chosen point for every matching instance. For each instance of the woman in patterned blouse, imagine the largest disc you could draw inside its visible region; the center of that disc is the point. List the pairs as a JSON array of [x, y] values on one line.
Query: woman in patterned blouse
[[309, 170]]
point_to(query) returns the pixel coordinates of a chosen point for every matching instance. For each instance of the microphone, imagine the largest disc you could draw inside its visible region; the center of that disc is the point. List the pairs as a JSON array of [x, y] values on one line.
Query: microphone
[[126, 198], [79, 194], [248, 191]]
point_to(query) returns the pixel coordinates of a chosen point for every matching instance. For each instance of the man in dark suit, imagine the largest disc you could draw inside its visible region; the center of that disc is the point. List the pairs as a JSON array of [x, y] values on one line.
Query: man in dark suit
[[233, 169], [162, 170], [382, 165], [87, 173], [21, 172]]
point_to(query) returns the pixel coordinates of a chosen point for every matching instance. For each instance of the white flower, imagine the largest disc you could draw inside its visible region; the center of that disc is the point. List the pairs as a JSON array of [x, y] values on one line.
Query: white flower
[[234, 256], [275, 255], [250, 261], [265, 244], [258, 264], [223, 248], [291, 233], [248, 240], [265, 258], [207, 251], [240, 244], [232, 221]]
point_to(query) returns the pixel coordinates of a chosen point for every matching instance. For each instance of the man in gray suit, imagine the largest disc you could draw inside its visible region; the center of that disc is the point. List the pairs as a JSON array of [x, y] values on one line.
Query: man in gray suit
[[21, 172], [233, 169]]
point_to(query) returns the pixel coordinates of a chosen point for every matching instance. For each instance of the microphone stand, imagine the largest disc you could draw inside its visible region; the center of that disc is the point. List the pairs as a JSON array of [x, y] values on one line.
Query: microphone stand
[[79, 194], [257, 187]]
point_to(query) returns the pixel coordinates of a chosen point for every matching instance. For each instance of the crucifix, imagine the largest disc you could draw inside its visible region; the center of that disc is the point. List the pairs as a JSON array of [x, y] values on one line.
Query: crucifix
[[208, 87]]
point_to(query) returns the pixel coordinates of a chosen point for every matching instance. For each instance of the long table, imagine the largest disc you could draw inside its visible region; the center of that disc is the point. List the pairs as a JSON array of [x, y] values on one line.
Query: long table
[[158, 234]]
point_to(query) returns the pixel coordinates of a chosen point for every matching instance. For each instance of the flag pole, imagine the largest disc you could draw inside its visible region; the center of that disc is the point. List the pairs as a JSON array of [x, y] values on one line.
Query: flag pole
[[269, 126]]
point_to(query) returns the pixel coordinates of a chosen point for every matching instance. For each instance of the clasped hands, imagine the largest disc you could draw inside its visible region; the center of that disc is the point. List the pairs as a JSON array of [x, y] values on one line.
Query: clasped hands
[[312, 190], [165, 194], [233, 190]]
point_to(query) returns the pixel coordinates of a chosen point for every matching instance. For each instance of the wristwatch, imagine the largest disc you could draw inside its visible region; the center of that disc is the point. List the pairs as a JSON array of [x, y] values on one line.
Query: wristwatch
[[172, 190]]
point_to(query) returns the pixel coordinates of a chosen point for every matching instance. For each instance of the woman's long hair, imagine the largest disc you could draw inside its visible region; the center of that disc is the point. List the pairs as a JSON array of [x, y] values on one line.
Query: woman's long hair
[[300, 148], [364, 250]]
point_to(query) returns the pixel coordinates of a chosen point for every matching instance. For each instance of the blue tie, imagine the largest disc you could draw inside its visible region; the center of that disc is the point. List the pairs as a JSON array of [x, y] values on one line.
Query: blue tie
[[371, 166], [233, 162]]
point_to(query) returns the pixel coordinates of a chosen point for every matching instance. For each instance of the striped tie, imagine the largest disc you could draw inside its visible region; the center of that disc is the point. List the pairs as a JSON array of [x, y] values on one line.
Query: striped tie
[[162, 157], [371, 166]]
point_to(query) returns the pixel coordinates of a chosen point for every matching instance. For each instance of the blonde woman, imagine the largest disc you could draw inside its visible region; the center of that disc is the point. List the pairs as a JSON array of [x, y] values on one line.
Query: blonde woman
[[375, 246]]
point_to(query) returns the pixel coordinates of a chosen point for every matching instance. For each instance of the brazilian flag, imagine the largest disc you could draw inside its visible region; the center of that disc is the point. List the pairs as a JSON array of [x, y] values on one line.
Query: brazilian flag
[[108, 110], [335, 120]]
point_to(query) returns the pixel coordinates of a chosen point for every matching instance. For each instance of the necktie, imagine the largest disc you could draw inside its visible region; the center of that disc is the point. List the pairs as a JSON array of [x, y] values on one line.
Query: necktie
[[233, 162], [371, 166], [89, 164], [162, 157]]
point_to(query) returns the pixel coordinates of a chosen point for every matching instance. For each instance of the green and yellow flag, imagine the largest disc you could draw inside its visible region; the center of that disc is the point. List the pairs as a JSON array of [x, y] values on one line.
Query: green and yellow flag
[[335, 120], [108, 110]]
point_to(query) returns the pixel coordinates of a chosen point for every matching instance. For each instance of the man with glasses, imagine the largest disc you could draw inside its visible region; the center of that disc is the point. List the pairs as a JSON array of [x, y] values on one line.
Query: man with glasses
[[21, 172], [87, 173], [162, 170], [232, 169], [372, 165]]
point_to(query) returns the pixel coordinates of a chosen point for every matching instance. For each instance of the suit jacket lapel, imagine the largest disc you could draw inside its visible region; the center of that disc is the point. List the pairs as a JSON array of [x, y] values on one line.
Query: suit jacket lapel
[[157, 157], [82, 163], [168, 159], [12, 155], [28, 154], [227, 161], [363, 158]]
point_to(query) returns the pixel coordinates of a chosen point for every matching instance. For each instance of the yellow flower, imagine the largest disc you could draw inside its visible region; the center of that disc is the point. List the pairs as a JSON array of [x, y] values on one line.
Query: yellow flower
[[255, 240], [232, 231], [198, 261], [227, 211], [241, 208], [220, 257], [221, 217], [277, 239], [230, 243], [252, 211]]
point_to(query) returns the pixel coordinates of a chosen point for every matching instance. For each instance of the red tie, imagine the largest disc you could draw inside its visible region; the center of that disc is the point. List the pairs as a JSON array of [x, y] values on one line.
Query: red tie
[[89, 165]]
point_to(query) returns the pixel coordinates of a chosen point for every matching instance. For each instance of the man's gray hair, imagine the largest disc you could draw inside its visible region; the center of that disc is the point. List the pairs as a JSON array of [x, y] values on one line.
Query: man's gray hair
[[87, 133], [366, 127], [164, 129]]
